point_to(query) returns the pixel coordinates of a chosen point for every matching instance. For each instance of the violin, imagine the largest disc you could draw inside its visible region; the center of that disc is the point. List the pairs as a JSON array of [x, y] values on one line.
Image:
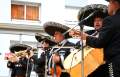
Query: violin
[[56, 71]]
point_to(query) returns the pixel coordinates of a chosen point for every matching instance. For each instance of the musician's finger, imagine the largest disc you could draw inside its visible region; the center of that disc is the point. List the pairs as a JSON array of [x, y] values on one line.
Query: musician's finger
[[71, 33], [31, 53], [83, 36], [55, 58]]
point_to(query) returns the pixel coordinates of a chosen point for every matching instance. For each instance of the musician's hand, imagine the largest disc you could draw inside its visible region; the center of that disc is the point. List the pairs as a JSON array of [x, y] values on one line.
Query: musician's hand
[[30, 54], [13, 58], [71, 33], [56, 58], [74, 33], [83, 36]]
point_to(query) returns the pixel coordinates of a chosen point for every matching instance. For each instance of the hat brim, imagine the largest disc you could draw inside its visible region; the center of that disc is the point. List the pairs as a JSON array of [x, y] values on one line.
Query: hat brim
[[52, 27], [40, 37], [18, 47], [107, 0], [51, 43], [100, 10], [45, 39], [114, 0]]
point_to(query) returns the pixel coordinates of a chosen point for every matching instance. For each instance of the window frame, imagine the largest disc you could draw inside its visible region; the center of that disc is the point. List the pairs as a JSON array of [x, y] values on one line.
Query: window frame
[[25, 14]]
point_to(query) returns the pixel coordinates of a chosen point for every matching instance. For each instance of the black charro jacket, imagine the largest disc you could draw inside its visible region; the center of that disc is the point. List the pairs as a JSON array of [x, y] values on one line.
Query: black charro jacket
[[109, 38]]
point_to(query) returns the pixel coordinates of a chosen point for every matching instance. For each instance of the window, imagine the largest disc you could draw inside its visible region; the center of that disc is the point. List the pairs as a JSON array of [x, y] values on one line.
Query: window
[[25, 12], [32, 12], [17, 11]]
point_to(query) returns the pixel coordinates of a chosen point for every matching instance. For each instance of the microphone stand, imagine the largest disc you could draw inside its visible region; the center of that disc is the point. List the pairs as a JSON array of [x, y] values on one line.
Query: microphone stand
[[27, 67], [81, 24], [46, 60], [82, 52], [28, 62], [82, 57], [82, 43]]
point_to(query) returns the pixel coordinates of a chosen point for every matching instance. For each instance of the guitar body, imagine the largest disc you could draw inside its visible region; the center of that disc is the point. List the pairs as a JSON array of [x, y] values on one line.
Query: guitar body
[[93, 58]]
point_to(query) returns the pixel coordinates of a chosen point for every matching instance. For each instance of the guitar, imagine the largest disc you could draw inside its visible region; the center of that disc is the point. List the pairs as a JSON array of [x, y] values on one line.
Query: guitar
[[93, 58]]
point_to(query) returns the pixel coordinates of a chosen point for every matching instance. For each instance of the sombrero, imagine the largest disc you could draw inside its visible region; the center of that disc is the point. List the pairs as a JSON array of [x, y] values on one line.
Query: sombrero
[[52, 27], [42, 38], [99, 9], [18, 47], [114, 0]]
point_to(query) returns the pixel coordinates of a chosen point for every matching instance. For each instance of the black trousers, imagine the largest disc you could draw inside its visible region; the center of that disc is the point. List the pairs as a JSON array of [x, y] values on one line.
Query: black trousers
[[101, 71], [41, 74], [65, 74], [115, 68], [107, 71]]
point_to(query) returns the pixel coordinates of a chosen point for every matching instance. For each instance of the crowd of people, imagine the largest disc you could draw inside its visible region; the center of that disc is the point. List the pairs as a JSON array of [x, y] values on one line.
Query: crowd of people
[[53, 51]]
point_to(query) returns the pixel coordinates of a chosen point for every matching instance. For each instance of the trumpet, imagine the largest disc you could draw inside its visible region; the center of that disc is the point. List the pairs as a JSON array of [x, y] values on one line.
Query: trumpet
[[21, 53], [13, 57]]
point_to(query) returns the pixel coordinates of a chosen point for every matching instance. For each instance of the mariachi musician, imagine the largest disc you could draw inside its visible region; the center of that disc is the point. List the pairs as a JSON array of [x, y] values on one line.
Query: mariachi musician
[[109, 38], [59, 54], [96, 21], [41, 61], [18, 62]]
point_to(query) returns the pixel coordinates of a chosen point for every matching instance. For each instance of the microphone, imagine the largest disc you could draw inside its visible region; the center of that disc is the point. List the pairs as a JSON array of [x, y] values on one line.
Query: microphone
[[82, 22]]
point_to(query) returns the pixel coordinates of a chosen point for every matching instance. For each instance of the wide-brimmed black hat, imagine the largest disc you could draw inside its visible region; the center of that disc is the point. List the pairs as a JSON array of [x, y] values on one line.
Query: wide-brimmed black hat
[[52, 27], [99, 10], [19, 47], [42, 38], [114, 0]]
